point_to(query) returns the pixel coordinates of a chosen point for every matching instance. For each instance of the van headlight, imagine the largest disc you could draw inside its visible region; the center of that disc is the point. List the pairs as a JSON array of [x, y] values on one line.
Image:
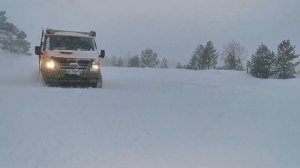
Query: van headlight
[[50, 64], [95, 66]]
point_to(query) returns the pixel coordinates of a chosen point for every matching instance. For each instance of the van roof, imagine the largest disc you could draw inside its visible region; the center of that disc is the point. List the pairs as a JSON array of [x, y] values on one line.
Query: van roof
[[90, 34]]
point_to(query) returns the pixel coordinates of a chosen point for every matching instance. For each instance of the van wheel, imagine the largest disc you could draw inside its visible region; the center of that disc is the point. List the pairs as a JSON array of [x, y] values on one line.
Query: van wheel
[[97, 85]]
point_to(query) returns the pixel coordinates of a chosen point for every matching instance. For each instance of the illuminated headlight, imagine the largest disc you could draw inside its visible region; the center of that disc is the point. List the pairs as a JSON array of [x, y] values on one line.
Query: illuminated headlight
[[95, 66], [50, 64]]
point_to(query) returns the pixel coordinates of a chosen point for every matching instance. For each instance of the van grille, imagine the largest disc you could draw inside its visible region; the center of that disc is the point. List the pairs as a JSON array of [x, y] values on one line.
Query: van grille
[[73, 63]]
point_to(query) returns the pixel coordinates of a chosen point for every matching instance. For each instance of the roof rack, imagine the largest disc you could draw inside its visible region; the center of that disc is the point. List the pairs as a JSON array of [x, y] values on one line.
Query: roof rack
[[52, 31]]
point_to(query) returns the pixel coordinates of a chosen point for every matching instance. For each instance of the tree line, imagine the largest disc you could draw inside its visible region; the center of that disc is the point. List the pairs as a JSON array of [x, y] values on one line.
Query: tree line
[[207, 56], [147, 59], [263, 64]]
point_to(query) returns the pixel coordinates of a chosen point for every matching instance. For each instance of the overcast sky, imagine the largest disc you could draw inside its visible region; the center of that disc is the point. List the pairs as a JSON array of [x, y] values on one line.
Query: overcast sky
[[173, 28]]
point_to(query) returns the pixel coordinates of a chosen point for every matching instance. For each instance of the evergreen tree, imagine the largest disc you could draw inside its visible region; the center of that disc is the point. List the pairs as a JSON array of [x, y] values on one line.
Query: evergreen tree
[[194, 63], [11, 38], [3, 18], [149, 58], [204, 57], [164, 64], [210, 55], [120, 62], [261, 62], [284, 67], [114, 61], [179, 66], [134, 61], [198, 61], [233, 54], [202, 61]]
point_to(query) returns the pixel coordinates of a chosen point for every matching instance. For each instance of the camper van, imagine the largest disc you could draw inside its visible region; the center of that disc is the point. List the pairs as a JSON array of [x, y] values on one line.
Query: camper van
[[69, 57]]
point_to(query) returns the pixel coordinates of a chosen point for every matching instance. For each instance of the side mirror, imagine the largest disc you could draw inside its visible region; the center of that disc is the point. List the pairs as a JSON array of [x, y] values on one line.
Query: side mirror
[[102, 54], [37, 50]]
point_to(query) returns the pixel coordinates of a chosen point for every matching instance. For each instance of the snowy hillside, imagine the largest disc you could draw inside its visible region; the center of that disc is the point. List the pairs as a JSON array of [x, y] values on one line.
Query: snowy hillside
[[148, 118]]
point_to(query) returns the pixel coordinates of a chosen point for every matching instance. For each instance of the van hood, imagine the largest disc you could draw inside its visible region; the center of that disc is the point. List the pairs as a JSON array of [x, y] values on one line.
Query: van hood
[[73, 54]]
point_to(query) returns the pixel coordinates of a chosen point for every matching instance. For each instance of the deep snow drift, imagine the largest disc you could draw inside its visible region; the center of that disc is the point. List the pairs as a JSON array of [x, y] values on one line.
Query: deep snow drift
[[146, 118]]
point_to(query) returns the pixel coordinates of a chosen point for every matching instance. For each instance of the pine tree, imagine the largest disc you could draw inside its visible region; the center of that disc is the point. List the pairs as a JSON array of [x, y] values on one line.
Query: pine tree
[[204, 57], [233, 54], [11, 38], [164, 64], [149, 58], [120, 62], [210, 55], [3, 18], [261, 62], [179, 66], [114, 61], [284, 67], [134, 61], [197, 60], [194, 63]]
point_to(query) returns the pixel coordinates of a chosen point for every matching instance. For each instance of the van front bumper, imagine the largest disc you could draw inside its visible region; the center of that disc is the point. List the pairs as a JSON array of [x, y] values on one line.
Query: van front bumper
[[70, 76]]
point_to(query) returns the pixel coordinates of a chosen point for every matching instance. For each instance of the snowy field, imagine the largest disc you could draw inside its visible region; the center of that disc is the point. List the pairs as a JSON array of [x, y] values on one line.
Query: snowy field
[[148, 118]]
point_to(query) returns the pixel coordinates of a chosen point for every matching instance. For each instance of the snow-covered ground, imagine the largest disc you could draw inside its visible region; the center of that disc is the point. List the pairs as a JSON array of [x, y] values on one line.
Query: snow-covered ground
[[148, 118]]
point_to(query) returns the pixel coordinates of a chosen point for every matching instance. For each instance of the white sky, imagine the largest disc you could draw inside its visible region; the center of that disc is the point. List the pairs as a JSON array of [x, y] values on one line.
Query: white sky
[[172, 28]]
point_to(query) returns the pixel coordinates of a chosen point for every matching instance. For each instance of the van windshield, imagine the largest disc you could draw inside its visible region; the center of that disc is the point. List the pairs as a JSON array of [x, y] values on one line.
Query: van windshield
[[70, 43]]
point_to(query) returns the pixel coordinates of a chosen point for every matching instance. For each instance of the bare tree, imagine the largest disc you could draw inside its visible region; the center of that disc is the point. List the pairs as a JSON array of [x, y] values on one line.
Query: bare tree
[[233, 54]]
